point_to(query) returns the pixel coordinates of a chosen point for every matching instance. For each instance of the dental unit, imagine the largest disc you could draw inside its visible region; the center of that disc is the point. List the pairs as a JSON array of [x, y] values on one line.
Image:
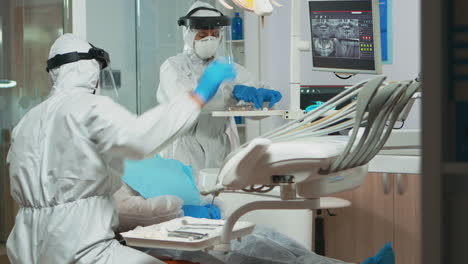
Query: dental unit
[[305, 160]]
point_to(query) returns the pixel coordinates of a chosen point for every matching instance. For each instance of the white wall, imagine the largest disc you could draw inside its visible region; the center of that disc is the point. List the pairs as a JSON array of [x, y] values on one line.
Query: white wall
[[275, 45], [79, 18]]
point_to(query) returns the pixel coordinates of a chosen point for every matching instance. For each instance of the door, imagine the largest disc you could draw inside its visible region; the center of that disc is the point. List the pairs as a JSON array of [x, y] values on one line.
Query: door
[[27, 30], [139, 36]]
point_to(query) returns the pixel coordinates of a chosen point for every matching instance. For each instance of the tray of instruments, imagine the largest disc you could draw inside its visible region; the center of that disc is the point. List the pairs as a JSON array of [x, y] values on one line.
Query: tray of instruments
[[185, 233]]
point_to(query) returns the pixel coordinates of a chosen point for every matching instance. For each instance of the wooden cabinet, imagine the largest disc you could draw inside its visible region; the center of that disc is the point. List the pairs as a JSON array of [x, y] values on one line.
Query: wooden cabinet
[[3, 256], [385, 208], [7, 204], [407, 219], [7, 208], [4, 259]]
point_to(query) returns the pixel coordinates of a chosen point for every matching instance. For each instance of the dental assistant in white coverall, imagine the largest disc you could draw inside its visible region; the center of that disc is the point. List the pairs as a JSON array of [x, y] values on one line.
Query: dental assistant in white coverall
[[210, 139], [67, 155]]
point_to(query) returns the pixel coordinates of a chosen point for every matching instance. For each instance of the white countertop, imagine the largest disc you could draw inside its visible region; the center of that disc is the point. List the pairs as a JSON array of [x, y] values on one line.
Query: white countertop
[[396, 164], [401, 153]]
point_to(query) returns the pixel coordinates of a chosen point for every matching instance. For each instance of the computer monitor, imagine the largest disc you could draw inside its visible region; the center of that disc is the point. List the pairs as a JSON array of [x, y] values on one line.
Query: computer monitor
[[345, 36], [314, 94]]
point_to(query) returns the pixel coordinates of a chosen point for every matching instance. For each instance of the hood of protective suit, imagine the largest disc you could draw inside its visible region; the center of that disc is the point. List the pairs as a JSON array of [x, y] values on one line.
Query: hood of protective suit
[[80, 75], [189, 35]]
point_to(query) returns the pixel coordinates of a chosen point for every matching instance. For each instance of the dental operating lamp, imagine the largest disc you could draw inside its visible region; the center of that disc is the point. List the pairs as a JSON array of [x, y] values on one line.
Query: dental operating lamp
[[259, 7]]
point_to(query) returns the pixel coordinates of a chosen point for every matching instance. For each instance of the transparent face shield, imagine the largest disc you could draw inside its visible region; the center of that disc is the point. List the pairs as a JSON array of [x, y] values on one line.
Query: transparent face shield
[[212, 33], [213, 43], [212, 40], [106, 84], [225, 50]]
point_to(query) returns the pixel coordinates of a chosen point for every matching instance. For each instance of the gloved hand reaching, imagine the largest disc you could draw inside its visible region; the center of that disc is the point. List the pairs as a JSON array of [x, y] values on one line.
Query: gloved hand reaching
[[267, 95], [247, 94], [214, 74], [256, 96]]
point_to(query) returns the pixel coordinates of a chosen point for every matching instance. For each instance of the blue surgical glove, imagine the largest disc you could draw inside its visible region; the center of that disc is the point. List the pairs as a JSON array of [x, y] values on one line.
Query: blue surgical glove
[[214, 74], [247, 94], [199, 211], [256, 96], [267, 95]]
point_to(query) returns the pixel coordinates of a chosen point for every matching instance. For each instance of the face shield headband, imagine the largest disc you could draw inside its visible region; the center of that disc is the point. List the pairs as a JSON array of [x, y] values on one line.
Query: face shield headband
[[94, 53], [205, 22]]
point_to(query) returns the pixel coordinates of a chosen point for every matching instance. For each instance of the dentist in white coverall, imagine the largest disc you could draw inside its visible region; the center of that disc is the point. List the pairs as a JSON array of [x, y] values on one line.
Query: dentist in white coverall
[[67, 156], [210, 139]]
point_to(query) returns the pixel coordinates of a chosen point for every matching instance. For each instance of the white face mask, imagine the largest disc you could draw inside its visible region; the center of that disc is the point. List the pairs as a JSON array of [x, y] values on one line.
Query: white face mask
[[207, 47]]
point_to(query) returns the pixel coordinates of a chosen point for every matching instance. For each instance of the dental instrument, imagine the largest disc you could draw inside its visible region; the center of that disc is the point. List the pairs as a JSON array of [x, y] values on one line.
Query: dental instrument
[[197, 228], [162, 236], [185, 222]]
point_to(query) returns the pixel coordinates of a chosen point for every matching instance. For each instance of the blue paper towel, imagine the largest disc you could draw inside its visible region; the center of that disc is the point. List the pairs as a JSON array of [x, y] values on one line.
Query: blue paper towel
[[158, 176]]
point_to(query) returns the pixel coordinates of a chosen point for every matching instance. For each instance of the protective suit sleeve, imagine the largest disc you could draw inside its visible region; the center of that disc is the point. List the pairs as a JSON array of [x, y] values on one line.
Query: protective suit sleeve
[[117, 132], [134, 210]]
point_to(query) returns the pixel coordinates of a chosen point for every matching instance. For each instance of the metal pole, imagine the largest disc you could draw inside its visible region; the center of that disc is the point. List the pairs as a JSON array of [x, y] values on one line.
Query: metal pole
[[138, 58]]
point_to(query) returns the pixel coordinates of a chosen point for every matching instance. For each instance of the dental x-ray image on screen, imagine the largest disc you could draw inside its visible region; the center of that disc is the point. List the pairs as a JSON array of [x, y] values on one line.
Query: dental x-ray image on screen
[[336, 38], [345, 36]]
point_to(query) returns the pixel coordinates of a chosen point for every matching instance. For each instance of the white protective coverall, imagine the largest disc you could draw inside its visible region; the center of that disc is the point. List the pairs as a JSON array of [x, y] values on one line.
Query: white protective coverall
[[66, 160], [211, 139]]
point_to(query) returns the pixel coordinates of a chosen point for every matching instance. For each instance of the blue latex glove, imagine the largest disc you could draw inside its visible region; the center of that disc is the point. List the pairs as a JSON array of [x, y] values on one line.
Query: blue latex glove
[[214, 74], [266, 95], [202, 211], [384, 256], [247, 94], [256, 96]]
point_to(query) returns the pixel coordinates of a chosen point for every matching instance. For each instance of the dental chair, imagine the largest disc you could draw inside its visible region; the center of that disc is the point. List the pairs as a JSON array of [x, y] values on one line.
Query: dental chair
[[306, 159]]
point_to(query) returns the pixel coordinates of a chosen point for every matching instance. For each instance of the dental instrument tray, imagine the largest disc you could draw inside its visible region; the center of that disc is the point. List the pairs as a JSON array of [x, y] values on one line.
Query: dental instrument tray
[[250, 114], [185, 233]]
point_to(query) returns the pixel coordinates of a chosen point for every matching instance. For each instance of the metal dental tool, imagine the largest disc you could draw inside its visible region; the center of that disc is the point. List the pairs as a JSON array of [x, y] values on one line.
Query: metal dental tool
[[196, 228], [187, 234], [185, 222], [211, 205]]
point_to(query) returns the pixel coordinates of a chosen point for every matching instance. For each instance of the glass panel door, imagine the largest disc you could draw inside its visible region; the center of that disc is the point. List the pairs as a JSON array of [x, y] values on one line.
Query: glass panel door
[[159, 37], [110, 24], [28, 29]]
